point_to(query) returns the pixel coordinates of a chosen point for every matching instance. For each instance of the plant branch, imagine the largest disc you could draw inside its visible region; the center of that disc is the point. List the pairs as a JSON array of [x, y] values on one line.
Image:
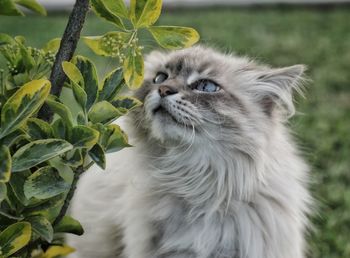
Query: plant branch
[[77, 173], [66, 51]]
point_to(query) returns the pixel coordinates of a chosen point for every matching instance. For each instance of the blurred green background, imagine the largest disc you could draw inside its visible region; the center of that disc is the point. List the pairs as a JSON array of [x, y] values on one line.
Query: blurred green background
[[319, 38]]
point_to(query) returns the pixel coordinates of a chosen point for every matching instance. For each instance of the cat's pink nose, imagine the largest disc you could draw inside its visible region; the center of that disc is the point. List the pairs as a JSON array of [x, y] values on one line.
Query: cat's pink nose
[[166, 91]]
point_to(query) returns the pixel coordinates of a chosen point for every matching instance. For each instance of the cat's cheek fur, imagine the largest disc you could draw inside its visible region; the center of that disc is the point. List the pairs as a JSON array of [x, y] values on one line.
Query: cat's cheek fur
[[163, 125]]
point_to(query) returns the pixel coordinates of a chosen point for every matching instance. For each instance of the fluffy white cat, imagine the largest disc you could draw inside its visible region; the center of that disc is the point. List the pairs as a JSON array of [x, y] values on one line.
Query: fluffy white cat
[[214, 173]]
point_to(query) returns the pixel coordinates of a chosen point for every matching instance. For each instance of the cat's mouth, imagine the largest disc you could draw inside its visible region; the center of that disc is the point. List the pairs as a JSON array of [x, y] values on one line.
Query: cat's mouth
[[157, 109], [163, 111]]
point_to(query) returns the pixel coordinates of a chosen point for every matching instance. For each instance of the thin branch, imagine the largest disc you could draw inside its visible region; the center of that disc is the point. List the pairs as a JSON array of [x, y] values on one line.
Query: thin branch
[[68, 46], [77, 173]]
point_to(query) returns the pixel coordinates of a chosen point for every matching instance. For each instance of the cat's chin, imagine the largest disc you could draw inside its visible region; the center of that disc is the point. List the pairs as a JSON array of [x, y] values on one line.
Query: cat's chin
[[164, 115], [165, 127]]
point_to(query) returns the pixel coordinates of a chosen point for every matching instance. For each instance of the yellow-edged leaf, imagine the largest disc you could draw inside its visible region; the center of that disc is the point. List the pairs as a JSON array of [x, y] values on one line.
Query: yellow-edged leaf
[[37, 152], [89, 73], [173, 37], [45, 183], [5, 164], [111, 85], [149, 14], [133, 69], [102, 11], [73, 73], [53, 45], [3, 192], [103, 112], [60, 109], [84, 136], [42, 227], [55, 251], [97, 154], [15, 237], [23, 104]]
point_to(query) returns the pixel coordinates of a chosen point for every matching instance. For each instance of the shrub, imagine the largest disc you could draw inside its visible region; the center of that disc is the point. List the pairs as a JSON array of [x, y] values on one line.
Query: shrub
[[46, 141]]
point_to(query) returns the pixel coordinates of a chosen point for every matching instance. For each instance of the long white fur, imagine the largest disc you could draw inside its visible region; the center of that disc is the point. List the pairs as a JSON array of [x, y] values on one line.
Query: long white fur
[[244, 196]]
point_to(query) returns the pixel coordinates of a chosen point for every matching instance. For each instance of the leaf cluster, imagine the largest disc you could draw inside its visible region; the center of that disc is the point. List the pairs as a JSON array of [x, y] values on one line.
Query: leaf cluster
[[124, 43], [40, 161]]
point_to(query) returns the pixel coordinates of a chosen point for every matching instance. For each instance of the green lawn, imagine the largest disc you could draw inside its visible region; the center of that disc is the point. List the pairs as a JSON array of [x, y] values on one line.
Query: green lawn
[[318, 38]]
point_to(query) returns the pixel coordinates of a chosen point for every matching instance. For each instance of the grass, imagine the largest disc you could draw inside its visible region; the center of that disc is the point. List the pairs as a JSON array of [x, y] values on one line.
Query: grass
[[318, 38]]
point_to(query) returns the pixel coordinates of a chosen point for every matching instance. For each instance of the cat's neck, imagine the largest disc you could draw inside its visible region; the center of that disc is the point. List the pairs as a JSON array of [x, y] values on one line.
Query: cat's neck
[[207, 175]]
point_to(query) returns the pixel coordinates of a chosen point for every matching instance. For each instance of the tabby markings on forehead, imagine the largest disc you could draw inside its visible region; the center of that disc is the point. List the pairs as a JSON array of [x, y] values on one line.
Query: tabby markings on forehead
[[175, 67]]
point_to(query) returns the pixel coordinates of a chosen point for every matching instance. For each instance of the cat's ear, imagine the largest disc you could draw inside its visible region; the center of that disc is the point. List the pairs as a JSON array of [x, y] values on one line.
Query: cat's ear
[[275, 87]]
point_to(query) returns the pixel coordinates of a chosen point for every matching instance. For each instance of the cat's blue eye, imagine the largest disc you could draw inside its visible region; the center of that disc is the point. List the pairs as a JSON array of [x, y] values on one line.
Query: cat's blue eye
[[206, 86], [160, 77]]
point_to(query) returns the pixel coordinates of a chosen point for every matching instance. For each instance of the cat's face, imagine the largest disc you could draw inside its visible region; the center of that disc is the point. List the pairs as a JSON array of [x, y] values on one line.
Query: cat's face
[[198, 93]]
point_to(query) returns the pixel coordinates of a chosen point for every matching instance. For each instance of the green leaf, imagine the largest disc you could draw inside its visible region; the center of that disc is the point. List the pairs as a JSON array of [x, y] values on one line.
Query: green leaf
[[112, 84], [53, 45], [17, 185], [73, 158], [80, 95], [61, 110], [38, 129], [81, 118], [173, 37], [104, 134], [108, 44], [45, 183], [84, 136], [27, 58], [73, 73], [63, 167], [32, 5], [13, 138], [3, 192], [15, 237], [37, 152], [102, 11], [20, 39], [97, 154], [6, 39], [56, 251], [59, 129], [42, 227], [103, 112], [49, 209], [7, 7], [133, 69], [88, 71], [69, 225], [126, 104], [5, 164], [22, 105], [145, 12], [116, 7], [117, 140]]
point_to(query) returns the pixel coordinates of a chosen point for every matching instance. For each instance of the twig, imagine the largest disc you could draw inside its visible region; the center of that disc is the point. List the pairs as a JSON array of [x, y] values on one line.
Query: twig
[[77, 173], [65, 53]]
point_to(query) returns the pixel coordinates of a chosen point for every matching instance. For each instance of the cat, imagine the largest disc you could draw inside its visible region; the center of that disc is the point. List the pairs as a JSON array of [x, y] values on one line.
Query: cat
[[215, 172]]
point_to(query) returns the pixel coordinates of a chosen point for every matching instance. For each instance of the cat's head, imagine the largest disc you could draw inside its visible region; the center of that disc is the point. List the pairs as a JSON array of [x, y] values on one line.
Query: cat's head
[[199, 94]]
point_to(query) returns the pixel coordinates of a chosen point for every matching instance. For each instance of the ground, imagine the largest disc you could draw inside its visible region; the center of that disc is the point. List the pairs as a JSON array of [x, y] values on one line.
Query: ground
[[279, 36]]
